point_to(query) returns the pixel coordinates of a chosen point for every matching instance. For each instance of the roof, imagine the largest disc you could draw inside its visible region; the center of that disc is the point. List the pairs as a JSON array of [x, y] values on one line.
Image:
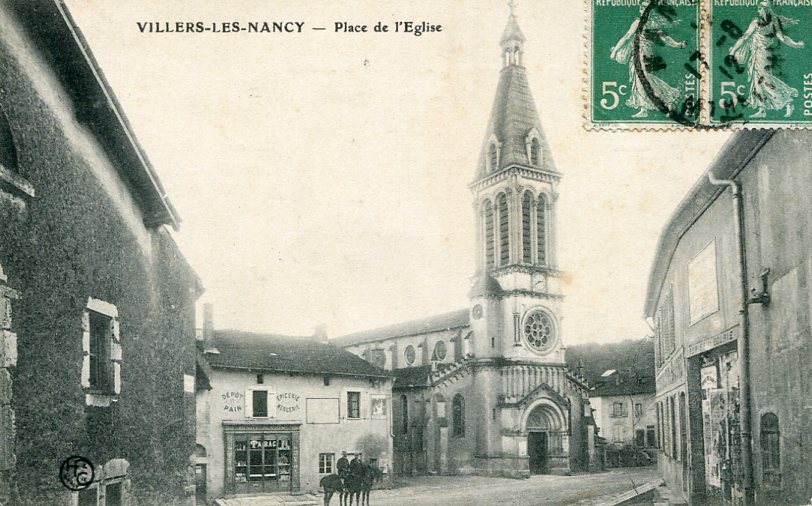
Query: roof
[[445, 321], [408, 377], [629, 384], [485, 285], [513, 116], [290, 354], [629, 357], [731, 159], [59, 40], [512, 31]]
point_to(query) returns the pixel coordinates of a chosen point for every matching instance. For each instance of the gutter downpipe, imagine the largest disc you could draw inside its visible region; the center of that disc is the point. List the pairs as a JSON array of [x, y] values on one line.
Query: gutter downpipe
[[744, 339]]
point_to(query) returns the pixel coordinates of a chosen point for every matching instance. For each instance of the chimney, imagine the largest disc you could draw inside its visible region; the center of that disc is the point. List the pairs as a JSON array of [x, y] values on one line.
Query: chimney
[[320, 333], [208, 328]]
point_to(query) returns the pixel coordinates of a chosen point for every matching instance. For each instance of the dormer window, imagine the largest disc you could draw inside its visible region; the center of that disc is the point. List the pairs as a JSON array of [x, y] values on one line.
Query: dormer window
[[494, 152], [533, 145]]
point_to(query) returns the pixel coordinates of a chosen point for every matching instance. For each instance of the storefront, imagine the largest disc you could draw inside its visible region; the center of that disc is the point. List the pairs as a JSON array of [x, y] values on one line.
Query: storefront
[[261, 458]]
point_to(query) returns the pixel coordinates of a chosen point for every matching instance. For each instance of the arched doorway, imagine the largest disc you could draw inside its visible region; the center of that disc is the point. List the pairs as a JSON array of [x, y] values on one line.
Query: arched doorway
[[544, 437]]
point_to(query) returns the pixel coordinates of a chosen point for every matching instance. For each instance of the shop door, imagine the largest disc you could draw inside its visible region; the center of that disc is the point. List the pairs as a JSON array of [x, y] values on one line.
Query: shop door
[[720, 427], [538, 452]]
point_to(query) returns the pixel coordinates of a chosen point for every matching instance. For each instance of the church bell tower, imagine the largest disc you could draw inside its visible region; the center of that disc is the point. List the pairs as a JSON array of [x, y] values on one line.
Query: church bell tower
[[516, 298]]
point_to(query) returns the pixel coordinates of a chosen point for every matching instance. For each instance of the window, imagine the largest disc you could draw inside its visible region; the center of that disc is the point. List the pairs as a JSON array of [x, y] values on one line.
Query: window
[[640, 438], [101, 346], [617, 433], [534, 151], [8, 150], [527, 208], [327, 381], [504, 230], [638, 410], [650, 436], [493, 157], [440, 351], [260, 403], [260, 379], [539, 331], [770, 450], [326, 463], [353, 404], [665, 325], [489, 235], [541, 230], [617, 409], [404, 414], [88, 497], [99, 353], [458, 415], [112, 494], [410, 354]]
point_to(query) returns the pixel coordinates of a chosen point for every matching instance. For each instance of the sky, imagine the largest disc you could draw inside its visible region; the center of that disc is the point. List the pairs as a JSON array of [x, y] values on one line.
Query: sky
[[322, 177]]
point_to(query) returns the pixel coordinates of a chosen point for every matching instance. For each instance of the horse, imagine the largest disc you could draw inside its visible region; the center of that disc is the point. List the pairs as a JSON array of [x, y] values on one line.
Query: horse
[[359, 486], [331, 484]]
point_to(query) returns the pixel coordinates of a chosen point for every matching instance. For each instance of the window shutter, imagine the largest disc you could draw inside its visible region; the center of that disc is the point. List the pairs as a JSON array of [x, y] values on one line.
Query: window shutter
[[85, 349], [271, 404], [249, 403], [363, 402], [342, 407]]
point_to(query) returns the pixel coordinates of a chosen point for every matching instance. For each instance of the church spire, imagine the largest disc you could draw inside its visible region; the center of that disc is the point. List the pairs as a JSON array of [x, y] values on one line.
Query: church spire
[[512, 39], [514, 135]]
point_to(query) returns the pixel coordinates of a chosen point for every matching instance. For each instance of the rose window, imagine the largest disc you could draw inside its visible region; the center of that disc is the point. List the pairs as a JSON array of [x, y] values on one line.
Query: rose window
[[539, 331]]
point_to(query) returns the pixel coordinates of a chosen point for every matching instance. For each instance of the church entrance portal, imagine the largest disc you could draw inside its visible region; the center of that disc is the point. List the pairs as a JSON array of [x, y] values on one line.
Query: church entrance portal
[[537, 449]]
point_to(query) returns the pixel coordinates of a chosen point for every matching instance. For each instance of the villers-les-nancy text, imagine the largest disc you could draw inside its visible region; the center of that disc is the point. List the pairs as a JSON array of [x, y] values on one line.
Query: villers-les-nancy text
[[414, 28]]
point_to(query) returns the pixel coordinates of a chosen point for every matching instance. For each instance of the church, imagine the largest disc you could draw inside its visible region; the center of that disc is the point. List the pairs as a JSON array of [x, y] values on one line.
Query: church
[[485, 389]]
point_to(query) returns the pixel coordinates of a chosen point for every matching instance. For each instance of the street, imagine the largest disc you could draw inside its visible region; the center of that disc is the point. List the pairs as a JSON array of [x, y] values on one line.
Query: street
[[580, 489]]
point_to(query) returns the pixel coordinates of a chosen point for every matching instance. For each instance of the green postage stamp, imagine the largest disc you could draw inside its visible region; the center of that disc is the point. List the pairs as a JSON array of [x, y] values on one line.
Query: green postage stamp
[[699, 63]]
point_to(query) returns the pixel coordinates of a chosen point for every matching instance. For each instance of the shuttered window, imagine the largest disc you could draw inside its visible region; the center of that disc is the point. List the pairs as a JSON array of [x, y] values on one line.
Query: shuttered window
[[541, 229], [504, 230], [489, 237], [527, 209], [534, 152]]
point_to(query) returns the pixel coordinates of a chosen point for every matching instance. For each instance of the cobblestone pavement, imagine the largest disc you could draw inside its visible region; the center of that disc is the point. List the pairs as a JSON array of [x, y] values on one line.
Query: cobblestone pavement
[[580, 489]]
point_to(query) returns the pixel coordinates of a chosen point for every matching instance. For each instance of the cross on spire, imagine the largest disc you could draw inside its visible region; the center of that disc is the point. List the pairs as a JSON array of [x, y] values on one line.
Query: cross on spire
[[512, 6]]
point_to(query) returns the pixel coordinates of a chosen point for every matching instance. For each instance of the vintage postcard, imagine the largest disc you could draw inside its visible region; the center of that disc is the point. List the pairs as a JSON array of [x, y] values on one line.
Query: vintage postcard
[[453, 252]]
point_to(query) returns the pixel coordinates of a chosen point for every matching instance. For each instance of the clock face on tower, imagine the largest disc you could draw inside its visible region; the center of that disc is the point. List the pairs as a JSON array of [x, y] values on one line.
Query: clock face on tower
[[539, 282]]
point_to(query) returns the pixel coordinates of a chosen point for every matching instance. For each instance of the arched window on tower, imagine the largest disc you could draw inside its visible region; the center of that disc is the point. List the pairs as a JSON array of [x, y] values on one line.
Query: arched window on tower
[[770, 450], [504, 230], [527, 212], [541, 229], [534, 151], [489, 237], [458, 416], [8, 151], [493, 157]]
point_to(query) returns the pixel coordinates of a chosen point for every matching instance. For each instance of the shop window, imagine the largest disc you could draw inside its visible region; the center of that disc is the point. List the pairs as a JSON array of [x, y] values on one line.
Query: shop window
[[326, 463], [770, 450], [353, 404], [458, 415], [638, 410]]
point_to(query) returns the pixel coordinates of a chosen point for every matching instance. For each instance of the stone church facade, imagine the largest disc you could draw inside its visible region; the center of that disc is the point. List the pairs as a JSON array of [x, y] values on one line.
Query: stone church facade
[[486, 390]]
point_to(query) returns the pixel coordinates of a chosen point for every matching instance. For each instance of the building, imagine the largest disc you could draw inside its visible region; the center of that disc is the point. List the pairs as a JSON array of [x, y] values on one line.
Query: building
[[729, 295], [486, 389], [621, 377], [97, 303], [276, 412]]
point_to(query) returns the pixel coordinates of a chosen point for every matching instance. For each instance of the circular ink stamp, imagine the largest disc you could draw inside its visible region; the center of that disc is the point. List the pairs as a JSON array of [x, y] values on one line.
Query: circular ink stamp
[[652, 35], [76, 473]]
